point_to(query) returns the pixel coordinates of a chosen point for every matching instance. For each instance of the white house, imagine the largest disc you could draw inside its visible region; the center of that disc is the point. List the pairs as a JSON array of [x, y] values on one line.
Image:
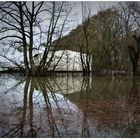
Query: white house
[[70, 60]]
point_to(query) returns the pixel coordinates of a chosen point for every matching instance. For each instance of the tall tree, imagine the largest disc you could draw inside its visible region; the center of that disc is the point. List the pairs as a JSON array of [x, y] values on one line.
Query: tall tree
[[130, 15], [32, 26]]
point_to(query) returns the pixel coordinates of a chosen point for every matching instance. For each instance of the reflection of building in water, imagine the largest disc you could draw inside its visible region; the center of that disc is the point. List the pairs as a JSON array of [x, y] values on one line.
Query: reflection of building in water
[[65, 85], [39, 114], [111, 112], [101, 110]]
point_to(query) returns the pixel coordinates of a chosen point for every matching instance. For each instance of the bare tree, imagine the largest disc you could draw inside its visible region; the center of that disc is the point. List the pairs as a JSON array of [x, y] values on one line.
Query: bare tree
[[130, 15], [22, 23]]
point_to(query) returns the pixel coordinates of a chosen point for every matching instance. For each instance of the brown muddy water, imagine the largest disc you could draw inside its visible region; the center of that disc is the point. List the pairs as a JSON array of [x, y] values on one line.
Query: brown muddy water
[[69, 106]]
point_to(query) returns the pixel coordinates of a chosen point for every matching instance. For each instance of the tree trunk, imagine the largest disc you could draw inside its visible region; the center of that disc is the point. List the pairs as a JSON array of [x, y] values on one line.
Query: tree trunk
[[27, 71], [134, 53], [31, 43]]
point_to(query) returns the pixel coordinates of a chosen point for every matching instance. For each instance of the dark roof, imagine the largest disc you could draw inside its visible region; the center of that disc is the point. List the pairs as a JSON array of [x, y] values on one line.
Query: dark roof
[[36, 54]]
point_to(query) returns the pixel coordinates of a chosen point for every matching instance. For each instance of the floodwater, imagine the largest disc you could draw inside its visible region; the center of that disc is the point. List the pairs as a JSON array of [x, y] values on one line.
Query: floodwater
[[69, 106]]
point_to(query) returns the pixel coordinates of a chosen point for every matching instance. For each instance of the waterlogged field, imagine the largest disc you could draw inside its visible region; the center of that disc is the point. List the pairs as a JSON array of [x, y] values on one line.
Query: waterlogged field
[[69, 106]]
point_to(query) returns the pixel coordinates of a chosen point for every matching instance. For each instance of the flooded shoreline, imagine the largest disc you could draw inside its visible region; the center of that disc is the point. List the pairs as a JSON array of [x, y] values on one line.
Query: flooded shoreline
[[69, 105]]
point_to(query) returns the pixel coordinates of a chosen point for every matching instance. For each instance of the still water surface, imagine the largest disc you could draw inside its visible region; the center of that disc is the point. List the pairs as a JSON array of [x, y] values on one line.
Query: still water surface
[[69, 106]]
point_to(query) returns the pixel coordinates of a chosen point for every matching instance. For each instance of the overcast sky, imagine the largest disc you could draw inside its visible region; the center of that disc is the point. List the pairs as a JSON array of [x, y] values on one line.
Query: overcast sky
[[95, 6]]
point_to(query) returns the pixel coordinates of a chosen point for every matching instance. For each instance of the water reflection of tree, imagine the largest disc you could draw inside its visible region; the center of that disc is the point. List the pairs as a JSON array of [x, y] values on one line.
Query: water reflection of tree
[[43, 87], [84, 92], [134, 97], [13, 87], [109, 106], [19, 129], [134, 101], [55, 124], [27, 117]]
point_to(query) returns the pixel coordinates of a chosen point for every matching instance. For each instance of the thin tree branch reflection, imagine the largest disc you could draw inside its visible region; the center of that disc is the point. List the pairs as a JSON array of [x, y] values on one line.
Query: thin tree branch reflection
[[49, 108], [85, 127], [32, 132], [13, 87], [22, 122]]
